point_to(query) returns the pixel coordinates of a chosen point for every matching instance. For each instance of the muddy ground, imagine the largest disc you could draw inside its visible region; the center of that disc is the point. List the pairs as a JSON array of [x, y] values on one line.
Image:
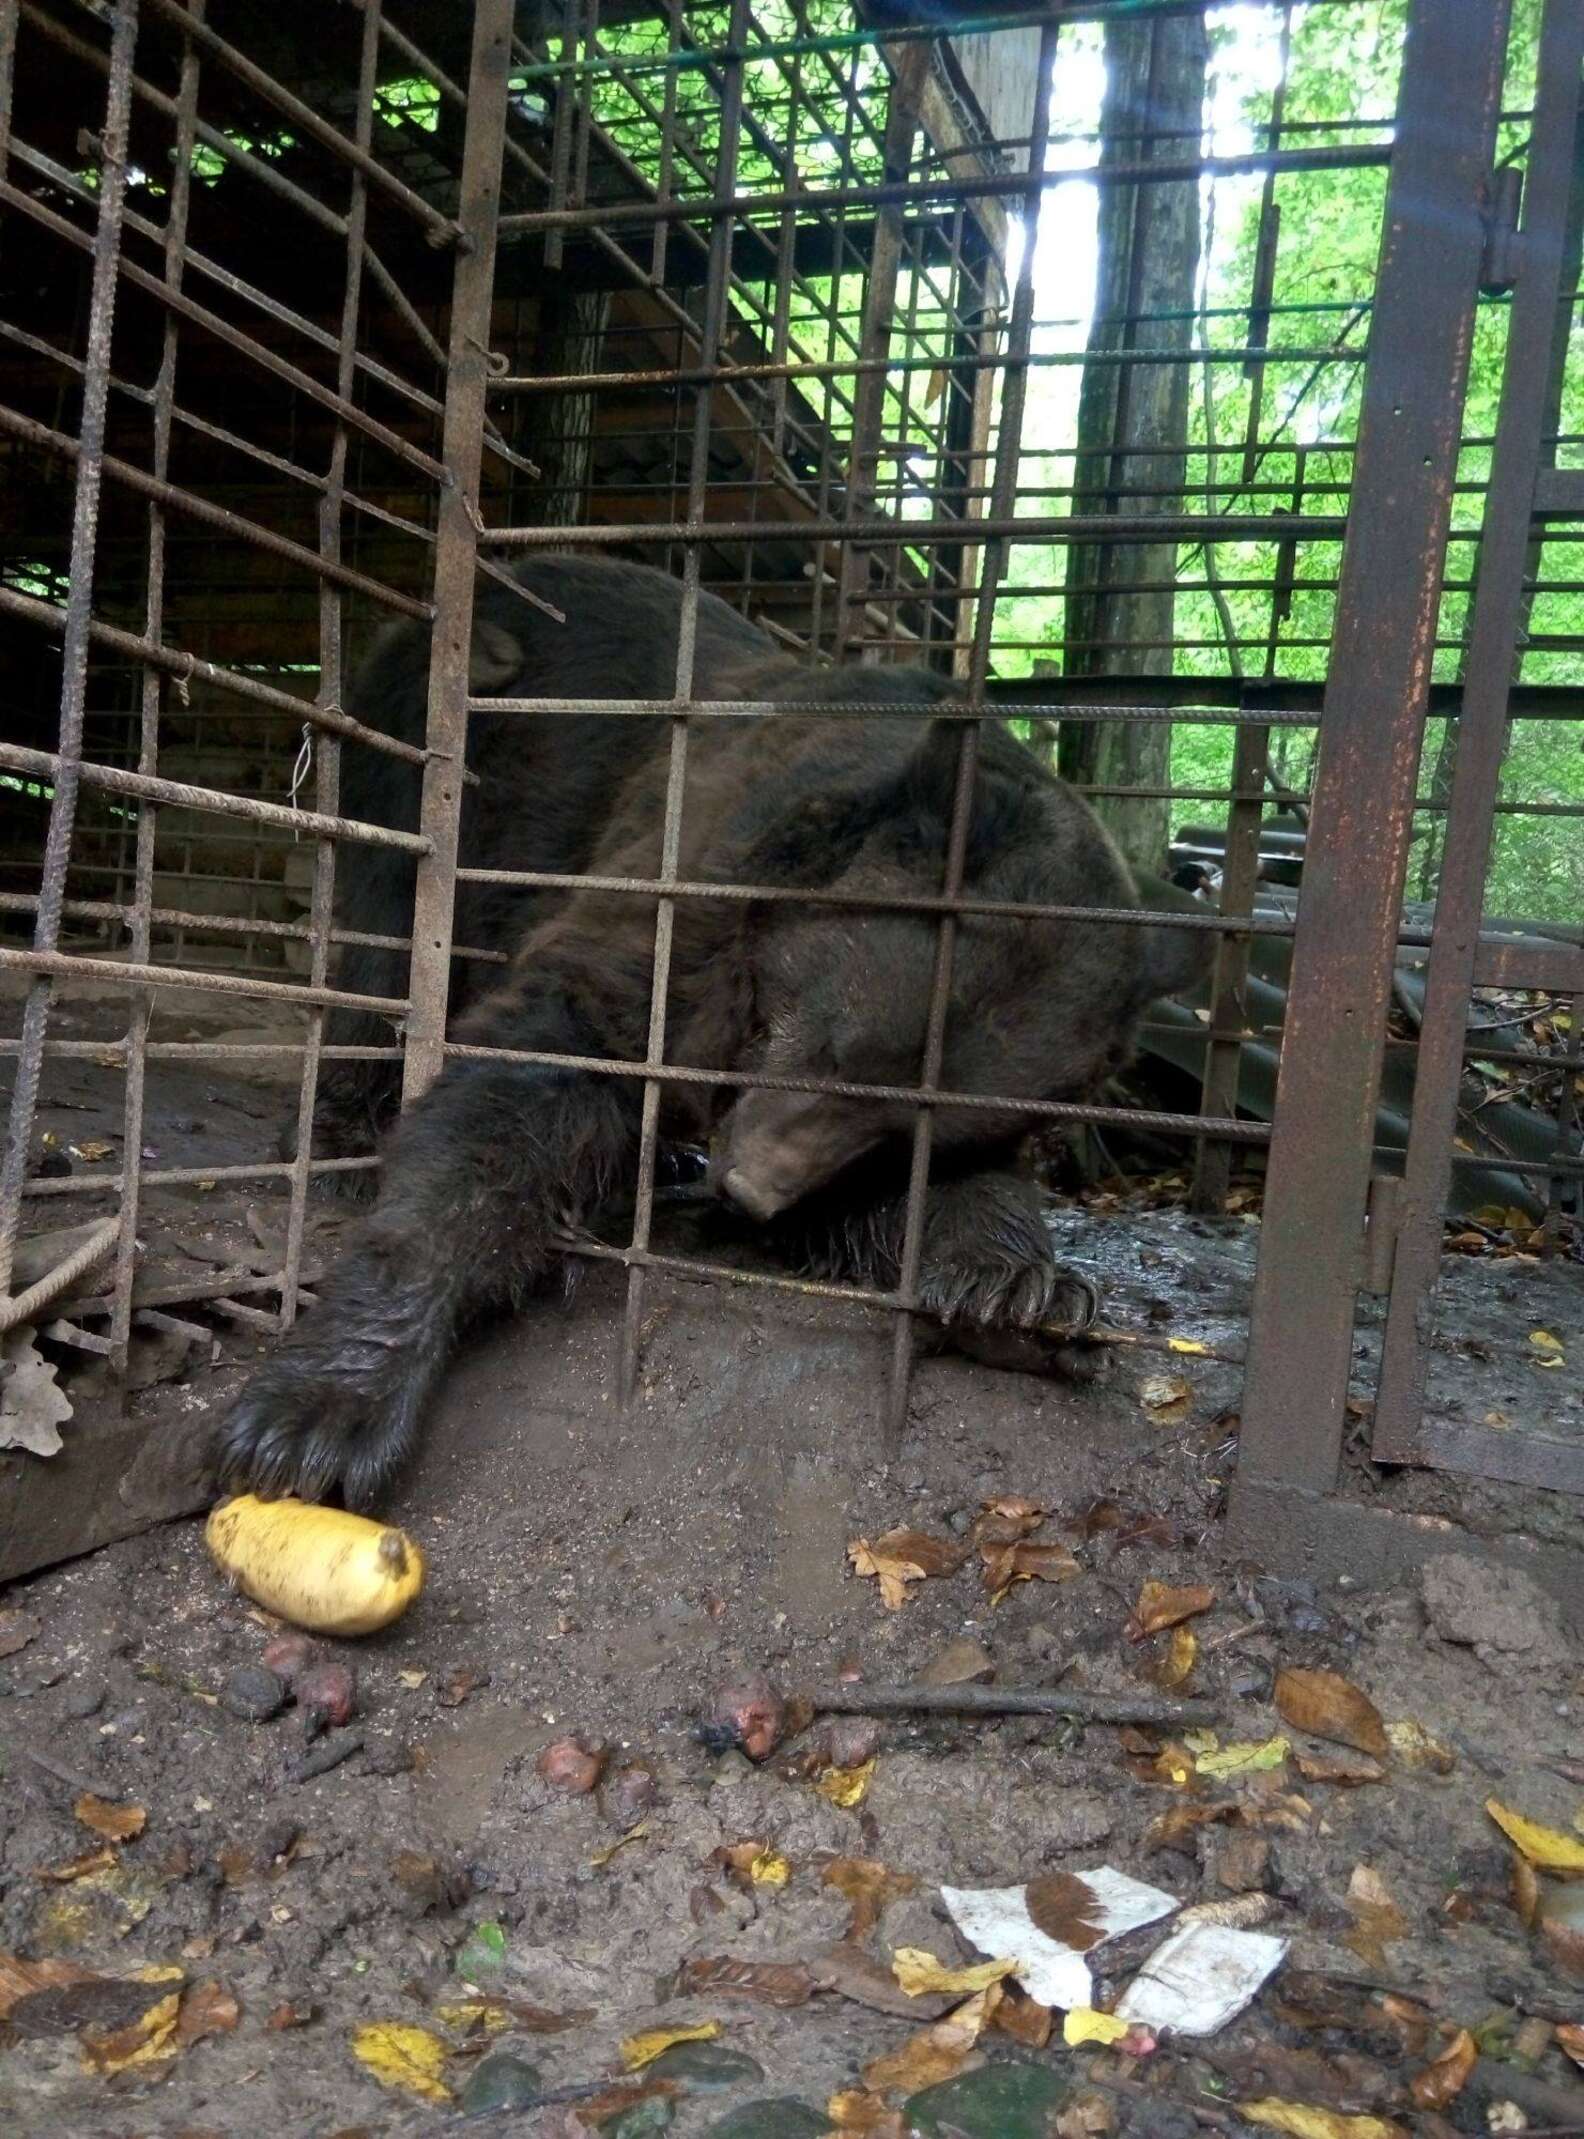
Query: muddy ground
[[608, 1574]]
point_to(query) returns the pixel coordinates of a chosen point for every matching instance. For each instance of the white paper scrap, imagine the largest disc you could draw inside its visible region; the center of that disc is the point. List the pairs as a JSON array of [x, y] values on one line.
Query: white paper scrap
[[1200, 1977], [1001, 1922]]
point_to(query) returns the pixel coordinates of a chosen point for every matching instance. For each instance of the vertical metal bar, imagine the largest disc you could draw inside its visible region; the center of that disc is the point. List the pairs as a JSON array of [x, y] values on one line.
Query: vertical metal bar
[[456, 544], [141, 1006], [716, 308], [1301, 1333], [1008, 447], [326, 745], [79, 606], [1493, 660]]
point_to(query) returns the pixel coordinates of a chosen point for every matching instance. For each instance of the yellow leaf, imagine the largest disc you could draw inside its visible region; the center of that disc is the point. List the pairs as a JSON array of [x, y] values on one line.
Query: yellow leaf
[[1549, 1359], [1415, 1747], [1188, 1344], [147, 2041], [1161, 1606], [936, 2053], [769, 1869], [482, 2013], [399, 2055], [633, 1834], [113, 1822], [1244, 1758], [1303, 2121], [1084, 2024], [918, 1971], [1543, 1341], [855, 2109], [892, 1573], [1178, 1662], [1330, 1706], [846, 1787], [1545, 1846], [640, 2050]]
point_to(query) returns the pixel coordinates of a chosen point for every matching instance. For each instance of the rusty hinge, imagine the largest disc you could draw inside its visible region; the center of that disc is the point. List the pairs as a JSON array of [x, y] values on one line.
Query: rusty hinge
[[1500, 261], [1382, 1216]]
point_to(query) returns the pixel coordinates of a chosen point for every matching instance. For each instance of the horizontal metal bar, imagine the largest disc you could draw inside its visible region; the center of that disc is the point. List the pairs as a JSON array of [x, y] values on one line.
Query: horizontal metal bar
[[966, 708], [112, 1054], [805, 370], [230, 523], [1553, 969], [188, 668], [969, 186], [46, 764], [1560, 492], [88, 1184], [727, 1274], [879, 534], [121, 972], [1228, 1129]]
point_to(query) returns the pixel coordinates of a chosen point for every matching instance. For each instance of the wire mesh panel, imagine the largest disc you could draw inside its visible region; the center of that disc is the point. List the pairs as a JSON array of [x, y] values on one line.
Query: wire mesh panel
[[1131, 375]]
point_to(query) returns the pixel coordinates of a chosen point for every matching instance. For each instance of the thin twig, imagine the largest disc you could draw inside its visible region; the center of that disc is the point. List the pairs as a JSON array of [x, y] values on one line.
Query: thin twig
[[861, 1700]]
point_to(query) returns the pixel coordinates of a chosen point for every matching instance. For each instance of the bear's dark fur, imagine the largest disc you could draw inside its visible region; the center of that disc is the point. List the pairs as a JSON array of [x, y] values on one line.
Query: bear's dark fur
[[484, 1173]]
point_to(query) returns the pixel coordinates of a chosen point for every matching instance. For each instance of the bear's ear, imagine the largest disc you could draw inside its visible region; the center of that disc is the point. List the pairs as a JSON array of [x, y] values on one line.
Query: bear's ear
[[494, 657]]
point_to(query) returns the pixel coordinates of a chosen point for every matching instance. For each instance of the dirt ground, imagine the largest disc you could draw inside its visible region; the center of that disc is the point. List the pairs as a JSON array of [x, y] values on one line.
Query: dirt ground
[[608, 1575]]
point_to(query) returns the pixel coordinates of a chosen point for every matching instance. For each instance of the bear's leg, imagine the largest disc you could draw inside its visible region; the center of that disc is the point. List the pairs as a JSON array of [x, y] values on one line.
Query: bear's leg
[[477, 1180], [987, 1260]]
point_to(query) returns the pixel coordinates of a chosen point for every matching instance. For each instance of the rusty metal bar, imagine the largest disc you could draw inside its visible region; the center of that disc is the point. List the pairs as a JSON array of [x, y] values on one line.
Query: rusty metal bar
[[121, 972], [1376, 695], [53, 765], [916, 534], [89, 455], [176, 499], [467, 379], [714, 327], [1494, 637]]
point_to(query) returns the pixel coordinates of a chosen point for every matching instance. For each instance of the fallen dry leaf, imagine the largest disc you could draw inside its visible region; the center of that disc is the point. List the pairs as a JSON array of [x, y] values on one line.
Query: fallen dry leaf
[[1442, 2080], [1525, 1890], [21, 1979], [603, 1856], [936, 2053], [290, 2013], [1022, 2017], [1245, 1757], [855, 2109], [782, 1983], [1570, 2039], [1377, 1920], [17, 1629], [1005, 1521], [146, 2041], [206, 2009], [1326, 1705], [1161, 1606], [640, 2050], [1415, 1748], [1173, 1668], [1544, 1341], [1087, 2116], [962, 1662], [1172, 1828], [404, 2057], [93, 1860], [1547, 1847], [1331, 1768], [1166, 1397], [1084, 2024], [115, 1823], [920, 1973], [1005, 1565], [846, 1787], [754, 1864], [1303, 2120], [902, 1557], [869, 1886], [852, 1973]]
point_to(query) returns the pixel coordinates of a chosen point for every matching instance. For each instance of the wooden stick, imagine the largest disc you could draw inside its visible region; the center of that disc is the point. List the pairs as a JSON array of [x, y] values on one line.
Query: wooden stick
[[861, 1700]]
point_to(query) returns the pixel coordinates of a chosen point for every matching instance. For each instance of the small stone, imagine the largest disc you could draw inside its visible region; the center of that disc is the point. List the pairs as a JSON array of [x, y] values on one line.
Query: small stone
[[1500, 1613], [501, 2082], [85, 1699], [782, 2117], [253, 1693], [1004, 2101], [627, 1793], [961, 1663], [851, 1740], [388, 1756], [654, 2114], [706, 2067]]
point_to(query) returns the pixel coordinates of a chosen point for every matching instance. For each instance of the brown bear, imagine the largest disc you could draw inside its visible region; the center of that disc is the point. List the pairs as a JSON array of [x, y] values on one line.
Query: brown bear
[[483, 1175]]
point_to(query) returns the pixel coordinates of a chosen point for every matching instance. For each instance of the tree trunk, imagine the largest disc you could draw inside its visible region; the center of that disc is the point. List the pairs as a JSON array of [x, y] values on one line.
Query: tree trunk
[[1133, 419]]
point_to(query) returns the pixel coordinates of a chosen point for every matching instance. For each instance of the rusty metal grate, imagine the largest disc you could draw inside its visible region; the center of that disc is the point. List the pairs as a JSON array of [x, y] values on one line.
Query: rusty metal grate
[[758, 294]]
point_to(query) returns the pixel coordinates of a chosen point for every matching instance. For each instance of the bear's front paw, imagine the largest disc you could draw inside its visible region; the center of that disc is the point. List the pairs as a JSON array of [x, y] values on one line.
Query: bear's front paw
[[336, 1405]]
